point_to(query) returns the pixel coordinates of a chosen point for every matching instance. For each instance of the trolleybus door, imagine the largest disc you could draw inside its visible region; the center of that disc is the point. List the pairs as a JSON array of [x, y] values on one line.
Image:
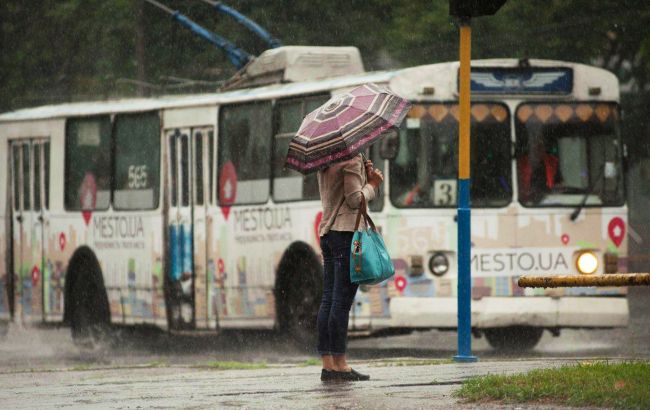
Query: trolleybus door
[[200, 169], [180, 230], [29, 160]]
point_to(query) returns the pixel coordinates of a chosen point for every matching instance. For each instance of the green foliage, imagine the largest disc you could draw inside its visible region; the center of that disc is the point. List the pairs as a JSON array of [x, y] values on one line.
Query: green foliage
[[621, 385], [310, 362], [66, 50], [410, 362], [226, 365]]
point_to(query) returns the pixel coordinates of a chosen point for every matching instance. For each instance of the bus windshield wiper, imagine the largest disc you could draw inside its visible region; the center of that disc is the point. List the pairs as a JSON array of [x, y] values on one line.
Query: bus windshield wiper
[[590, 189]]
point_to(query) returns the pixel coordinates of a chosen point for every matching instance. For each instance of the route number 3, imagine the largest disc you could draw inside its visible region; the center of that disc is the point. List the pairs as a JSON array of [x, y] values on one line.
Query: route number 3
[[137, 176], [444, 191]]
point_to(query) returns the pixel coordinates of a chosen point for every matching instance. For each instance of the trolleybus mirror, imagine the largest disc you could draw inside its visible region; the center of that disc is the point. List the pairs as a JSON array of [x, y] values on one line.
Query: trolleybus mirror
[[389, 145]]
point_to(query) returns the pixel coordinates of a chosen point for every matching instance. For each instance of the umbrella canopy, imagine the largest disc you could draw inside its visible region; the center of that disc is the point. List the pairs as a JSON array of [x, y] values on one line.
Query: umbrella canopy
[[344, 126]]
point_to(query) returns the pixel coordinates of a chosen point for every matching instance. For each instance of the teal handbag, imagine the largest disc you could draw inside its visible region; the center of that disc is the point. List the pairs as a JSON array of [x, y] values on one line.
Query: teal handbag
[[370, 263]]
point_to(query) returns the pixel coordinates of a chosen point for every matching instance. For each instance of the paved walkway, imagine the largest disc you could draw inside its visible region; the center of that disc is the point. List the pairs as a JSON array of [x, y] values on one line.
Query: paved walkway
[[394, 385]]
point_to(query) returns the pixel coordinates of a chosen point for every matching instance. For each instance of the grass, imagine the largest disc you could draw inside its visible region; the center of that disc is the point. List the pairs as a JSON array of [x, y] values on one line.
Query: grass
[[157, 363], [82, 367], [216, 365], [618, 385], [410, 362], [310, 362], [387, 362], [226, 365], [93, 366]]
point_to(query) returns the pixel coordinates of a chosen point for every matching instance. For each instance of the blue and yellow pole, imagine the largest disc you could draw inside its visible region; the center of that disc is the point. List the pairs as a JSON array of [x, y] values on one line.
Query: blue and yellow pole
[[464, 209]]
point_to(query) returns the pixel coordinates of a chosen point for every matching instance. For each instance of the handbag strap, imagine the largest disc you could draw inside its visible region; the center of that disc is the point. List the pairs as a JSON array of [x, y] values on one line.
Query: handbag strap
[[363, 210], [363, 207]]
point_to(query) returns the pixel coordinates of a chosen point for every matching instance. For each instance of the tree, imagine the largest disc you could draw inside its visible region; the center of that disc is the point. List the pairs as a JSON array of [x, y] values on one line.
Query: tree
[[65, 50], [608, 33]]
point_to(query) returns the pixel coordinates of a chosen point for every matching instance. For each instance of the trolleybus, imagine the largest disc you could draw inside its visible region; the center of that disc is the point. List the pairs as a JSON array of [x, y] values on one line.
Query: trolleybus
[[178, 212]]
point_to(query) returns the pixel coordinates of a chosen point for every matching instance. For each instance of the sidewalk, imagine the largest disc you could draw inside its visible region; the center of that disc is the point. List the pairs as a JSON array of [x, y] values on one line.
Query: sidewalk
[[393, 385]]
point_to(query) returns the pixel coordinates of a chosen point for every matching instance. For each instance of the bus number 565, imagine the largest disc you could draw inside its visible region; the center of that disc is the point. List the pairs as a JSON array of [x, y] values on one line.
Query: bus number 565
[[137, 176]]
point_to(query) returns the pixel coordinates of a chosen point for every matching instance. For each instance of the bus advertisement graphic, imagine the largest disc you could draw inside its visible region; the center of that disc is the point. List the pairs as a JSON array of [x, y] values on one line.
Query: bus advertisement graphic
[[514, 262], [88, 196], [227, 187], [616, 231], [62, 241]]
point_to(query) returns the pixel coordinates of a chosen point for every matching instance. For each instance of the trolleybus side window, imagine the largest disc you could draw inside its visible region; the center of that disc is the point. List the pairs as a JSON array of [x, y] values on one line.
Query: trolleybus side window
[[424, 172], [198, 168], [185, 171], [88, 163], [211, 152], [289, 185], [203, 141], [137, 161], [211, 170], [26, 176], [16, 171], [244, 146], [173, 168], [46, 170], [36, 169]]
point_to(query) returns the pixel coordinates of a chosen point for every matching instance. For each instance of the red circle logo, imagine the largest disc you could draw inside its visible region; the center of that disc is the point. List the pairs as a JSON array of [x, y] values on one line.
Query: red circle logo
[[62, 241], [400, 283], [227, 187], [616, 230], [565, 239], [36, 275], [88, 196]]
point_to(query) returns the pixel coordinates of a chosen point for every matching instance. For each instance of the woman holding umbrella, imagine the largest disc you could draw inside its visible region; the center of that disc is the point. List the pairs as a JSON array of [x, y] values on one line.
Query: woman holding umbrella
[[330, 141]]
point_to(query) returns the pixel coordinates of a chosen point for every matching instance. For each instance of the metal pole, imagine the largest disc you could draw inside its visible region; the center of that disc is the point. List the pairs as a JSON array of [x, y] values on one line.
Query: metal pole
[[464, 213], [238, 57], [246, 22], [609, 279]]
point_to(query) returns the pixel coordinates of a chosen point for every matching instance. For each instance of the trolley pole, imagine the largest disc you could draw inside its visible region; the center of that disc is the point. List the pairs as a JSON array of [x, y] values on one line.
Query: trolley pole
[[464, 209]]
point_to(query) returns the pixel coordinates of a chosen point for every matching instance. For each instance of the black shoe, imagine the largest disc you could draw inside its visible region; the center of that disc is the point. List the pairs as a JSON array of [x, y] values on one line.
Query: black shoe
[[352, 375], [327, 375]]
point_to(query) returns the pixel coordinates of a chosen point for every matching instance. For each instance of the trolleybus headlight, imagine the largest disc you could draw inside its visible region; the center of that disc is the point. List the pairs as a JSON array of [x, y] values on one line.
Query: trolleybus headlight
[[587, 263], [439, 264]]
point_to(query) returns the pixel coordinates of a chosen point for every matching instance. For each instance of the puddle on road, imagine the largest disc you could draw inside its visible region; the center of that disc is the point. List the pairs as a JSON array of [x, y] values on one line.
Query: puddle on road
[[52, 348]]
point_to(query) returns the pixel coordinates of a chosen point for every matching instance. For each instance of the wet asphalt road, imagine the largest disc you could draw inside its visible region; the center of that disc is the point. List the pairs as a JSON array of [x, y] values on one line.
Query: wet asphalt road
[[47, 348], [144, 368], [276, 387]]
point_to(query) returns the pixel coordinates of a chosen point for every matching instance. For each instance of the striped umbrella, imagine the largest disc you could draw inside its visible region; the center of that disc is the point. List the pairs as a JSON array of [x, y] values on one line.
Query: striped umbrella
[[344, 126]]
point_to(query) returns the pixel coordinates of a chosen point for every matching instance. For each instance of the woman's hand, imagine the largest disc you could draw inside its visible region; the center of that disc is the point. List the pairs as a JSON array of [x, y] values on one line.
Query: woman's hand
[[375, 176], [369, 166]]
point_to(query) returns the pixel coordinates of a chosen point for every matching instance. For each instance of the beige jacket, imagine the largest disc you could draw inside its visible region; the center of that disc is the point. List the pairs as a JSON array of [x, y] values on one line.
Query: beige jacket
[[341, 186]]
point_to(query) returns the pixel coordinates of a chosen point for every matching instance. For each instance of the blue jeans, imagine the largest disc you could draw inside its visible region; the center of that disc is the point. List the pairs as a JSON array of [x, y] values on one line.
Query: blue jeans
[[338, 293]]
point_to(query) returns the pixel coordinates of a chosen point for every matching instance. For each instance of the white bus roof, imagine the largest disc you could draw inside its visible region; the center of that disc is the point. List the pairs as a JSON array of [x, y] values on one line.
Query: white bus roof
[[156, 103], [439, 80], [298, 63]]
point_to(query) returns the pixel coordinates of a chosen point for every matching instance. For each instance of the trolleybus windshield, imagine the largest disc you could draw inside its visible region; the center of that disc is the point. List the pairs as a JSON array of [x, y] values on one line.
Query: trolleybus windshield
[[567, 154], [423, 175]]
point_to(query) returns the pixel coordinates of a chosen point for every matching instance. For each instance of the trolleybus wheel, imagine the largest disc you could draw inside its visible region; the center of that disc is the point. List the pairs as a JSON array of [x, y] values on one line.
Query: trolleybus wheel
[[90, 315], [514, 338], [298, 290]]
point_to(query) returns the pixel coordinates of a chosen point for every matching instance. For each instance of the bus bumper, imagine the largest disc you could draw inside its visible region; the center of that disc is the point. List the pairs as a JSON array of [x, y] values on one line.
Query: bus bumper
[[548, 312]]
